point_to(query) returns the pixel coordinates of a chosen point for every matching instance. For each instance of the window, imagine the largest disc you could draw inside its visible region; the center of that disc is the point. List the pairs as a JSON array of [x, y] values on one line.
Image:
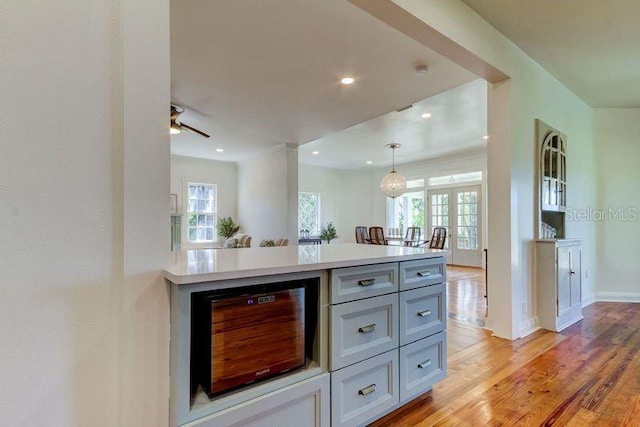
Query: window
[[456, 179], [309, 213], [406, 210], [201, 213]]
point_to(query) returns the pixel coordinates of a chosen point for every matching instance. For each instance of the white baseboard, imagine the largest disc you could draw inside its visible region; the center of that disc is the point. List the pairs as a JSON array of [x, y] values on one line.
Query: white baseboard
[[618, 296], [590, 299], [529, 326]]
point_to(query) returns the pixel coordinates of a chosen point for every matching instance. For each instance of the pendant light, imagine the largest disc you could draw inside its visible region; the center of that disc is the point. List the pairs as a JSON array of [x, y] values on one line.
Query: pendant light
[[393, 184]]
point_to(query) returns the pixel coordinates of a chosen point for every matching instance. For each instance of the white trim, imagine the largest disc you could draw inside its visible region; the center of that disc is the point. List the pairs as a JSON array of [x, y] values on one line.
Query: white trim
[[529, 326], [618, 296], [588, 300]]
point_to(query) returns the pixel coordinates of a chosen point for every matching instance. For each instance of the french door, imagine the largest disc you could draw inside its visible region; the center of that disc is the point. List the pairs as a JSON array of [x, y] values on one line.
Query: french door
[[459, 210]]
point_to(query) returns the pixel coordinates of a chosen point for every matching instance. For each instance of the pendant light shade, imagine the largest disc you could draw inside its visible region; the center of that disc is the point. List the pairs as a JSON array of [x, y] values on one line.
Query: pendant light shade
[[393, 184]]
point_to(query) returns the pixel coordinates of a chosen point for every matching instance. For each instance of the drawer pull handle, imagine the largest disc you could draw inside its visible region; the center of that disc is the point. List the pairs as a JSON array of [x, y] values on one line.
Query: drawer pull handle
[[424, 364], [424, 313], [368, 328], [424, 273], [367, 390], [366, 282]]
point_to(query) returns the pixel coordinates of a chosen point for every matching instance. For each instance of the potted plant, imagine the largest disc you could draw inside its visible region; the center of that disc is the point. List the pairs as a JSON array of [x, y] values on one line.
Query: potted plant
[[329, 233], [227, 227]]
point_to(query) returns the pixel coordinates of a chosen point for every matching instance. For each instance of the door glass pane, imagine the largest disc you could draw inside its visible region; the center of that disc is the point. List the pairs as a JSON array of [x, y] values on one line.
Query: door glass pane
[[547, 162], [439, 214], [467, 229]]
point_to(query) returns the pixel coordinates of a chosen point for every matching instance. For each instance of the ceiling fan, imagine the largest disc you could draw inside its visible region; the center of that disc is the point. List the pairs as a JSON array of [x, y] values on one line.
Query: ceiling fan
[[176, 127]]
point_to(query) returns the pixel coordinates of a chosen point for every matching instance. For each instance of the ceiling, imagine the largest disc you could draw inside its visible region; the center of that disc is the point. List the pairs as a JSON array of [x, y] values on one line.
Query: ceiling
[[591, 46], [256, 74], [458, 122]]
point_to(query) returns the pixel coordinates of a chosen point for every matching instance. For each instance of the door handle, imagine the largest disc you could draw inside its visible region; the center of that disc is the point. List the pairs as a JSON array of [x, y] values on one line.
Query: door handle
[[367, 390], [368, 328], [366, 282], [424, 364], [424, 273], [424, 313]]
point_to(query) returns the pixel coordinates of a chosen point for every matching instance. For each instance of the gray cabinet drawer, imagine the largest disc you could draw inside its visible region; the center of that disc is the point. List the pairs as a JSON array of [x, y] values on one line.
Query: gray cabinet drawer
[[363, 391], [422, 363], [348, 284], [361, 329], [422, 312], [422, 272]]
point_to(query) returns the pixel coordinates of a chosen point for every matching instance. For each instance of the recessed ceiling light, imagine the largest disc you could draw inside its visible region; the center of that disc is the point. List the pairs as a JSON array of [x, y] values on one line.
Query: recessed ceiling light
[[347, 80], [369, 162], [220, 150], [315, 153], [422, 69], [426, 115], [485, 137]]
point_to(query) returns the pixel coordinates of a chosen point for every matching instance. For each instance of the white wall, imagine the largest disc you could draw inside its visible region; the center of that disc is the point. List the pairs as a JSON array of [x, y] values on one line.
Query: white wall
[[58, 251], [84, 161], [617, 134], [530, 93], [346, 197], [268, 195], [223, 174]]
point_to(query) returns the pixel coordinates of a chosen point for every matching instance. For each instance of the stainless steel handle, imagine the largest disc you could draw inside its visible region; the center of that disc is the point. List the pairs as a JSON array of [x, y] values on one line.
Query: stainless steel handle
[[424, 364], [367, 390], [424, 313], [368, 328], [424, 273], [366, 282]]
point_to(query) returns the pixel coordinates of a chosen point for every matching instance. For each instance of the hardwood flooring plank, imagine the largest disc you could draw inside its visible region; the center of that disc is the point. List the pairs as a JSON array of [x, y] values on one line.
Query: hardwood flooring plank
[[632, 417]]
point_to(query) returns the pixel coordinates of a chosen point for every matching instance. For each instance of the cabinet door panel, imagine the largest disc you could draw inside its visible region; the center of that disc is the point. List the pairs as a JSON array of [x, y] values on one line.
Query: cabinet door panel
[[352, 283], [422, 312], [361, 329], [422, 363], [576, 279], [564, 280], [361, 392]]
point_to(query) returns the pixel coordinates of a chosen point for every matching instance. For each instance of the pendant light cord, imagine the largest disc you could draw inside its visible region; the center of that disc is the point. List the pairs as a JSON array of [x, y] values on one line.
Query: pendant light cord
[[393, 159]]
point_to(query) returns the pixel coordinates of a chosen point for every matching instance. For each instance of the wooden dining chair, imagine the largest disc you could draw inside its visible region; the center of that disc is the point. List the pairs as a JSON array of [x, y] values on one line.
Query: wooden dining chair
[[412, 238], [376, 236], [438, 238], [362, 236]]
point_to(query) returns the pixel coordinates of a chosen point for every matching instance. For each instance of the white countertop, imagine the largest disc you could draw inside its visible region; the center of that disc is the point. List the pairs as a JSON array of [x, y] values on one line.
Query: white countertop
[[205, 265]]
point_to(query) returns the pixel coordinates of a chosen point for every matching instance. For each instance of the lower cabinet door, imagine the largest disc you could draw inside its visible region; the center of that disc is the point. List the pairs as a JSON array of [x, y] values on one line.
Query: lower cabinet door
[[362, 329], [361, 392], [422, 363], [422, 312], [302, 404]]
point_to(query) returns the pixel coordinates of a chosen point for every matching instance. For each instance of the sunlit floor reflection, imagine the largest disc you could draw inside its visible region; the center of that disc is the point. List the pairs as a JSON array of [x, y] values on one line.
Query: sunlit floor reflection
[[466, 291]]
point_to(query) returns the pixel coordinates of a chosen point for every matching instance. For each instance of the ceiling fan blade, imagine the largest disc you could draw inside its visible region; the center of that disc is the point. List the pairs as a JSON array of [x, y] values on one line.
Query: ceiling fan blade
[[176, 111], [195, 130]]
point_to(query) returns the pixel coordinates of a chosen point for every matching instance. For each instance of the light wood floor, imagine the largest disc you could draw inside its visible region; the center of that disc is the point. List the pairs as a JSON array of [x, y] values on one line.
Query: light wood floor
[[588, 375], [466, 308]]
